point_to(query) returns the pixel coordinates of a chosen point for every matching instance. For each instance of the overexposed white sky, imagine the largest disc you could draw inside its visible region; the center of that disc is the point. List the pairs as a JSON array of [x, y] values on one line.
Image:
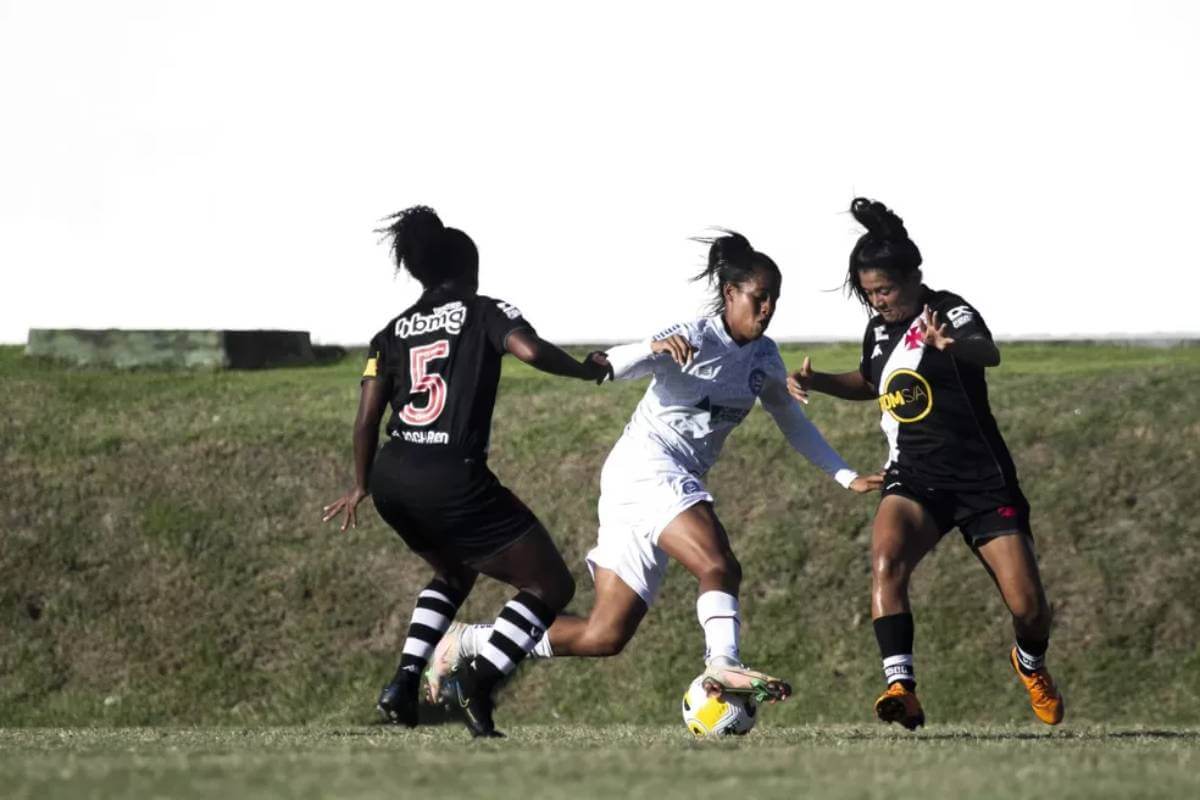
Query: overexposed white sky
[[222, 164]]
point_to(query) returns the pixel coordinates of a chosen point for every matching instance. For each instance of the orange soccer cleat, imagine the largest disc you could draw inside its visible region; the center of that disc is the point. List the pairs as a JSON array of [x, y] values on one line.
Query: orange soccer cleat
[[900, 704], [1044, 696]]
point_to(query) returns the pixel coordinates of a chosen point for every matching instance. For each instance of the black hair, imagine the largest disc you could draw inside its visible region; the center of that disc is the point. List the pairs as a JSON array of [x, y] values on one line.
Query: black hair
[[431, 252], [731, 259], [885, 246]]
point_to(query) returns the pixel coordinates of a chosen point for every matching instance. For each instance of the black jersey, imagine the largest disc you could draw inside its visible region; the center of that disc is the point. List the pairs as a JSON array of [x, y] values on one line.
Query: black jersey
[[440, 360], [934, 407]]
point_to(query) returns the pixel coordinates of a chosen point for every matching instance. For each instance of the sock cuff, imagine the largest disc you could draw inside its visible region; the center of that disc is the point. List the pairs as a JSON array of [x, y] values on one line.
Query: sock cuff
[[533, 609], [443, 591], [717, 604]]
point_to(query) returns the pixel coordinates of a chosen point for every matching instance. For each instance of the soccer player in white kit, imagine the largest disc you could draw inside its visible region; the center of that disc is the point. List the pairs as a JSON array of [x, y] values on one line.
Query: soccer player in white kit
[[706, 376]]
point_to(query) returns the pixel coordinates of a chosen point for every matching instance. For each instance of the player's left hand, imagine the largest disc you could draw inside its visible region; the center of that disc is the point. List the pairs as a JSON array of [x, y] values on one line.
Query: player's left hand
[[348, 503], [933, 333]]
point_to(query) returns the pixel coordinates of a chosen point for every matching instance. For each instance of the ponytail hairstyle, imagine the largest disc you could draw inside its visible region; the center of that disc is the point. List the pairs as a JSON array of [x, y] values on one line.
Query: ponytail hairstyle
[[428, 250], [885, 246], [731, 259]]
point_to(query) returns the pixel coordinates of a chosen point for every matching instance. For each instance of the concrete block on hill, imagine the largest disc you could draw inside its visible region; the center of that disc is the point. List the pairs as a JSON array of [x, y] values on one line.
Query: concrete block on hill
[[187, 349]]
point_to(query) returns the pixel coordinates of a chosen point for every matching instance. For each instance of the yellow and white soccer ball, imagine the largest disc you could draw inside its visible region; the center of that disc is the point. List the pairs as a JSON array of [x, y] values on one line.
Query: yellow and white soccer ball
[[717, 716]]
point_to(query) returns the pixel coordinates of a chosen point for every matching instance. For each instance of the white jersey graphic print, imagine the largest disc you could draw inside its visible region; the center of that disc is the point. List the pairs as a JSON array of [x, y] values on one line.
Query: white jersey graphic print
[[688, 412]]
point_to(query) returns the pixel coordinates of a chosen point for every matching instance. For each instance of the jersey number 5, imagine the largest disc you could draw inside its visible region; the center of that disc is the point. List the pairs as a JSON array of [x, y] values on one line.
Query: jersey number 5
[[423, 381]]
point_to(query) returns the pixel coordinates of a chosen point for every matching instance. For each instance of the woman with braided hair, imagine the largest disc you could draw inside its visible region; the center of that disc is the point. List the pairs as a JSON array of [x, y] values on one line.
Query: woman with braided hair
[[923, 359], [706, 376], [438, 365]]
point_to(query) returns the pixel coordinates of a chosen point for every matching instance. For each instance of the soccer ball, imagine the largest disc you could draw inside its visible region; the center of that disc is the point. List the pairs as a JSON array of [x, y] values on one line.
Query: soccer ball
[[717, 716]]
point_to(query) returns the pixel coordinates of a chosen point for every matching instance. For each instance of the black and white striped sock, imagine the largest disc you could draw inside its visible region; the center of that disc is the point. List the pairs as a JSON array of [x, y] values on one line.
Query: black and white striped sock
[[436, 606], [515, 632]]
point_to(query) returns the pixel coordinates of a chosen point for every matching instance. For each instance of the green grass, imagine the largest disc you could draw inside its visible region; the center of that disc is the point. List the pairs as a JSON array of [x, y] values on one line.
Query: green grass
[[162, 560], [604, 762]]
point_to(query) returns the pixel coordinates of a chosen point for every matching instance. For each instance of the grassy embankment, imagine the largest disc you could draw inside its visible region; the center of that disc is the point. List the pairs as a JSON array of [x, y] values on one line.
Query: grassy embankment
[[162, 560]]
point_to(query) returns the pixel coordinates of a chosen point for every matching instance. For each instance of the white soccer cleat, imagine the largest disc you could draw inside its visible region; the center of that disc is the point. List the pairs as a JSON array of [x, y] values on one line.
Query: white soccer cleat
[[723, 675], [446, 660]]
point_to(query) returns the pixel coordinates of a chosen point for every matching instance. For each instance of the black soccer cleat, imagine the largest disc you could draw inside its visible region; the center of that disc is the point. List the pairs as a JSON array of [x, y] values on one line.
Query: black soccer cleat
[[475, 704], [398, 700]]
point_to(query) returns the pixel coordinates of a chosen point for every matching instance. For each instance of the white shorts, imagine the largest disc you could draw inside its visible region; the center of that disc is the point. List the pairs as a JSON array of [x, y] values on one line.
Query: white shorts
[[641, 491]]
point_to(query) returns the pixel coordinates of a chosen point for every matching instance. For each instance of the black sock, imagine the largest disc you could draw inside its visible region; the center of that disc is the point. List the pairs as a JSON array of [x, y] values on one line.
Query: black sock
[[1031, 654], [520, 625], [894, 633], [436, 606]]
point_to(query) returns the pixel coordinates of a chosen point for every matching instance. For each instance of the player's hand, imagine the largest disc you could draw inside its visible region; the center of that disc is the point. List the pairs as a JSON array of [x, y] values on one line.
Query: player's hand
[[597, 367], [933, 333], [864, 484], [347, 503], [679, 348], [799, 383]]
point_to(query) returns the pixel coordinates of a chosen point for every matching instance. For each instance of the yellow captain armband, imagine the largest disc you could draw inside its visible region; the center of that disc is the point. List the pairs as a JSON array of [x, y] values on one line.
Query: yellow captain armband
[[372, 368]]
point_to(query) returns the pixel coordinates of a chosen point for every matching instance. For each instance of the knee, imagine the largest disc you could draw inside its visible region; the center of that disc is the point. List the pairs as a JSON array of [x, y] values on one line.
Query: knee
[[1031, 611], [556, 592], [889, 571]]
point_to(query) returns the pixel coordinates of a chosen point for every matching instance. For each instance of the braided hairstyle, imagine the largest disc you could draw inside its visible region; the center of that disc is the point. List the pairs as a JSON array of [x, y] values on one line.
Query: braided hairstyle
[[731, 259], [885, 246], [428, 250]]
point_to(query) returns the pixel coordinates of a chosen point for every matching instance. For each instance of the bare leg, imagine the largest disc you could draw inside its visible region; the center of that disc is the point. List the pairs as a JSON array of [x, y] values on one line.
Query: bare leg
[[533, 564], [697, 540], [608, 627], [1011, 562], [903, 533]]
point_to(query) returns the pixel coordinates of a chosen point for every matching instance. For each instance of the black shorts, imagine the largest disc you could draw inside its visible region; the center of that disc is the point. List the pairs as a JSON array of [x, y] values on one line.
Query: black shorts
[[443, 502], [980, 515]]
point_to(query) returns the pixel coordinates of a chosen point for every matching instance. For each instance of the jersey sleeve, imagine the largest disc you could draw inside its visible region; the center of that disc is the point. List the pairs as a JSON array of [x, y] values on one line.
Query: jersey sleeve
[[962, 319], [500, 319], [803, 436], [636, 359]]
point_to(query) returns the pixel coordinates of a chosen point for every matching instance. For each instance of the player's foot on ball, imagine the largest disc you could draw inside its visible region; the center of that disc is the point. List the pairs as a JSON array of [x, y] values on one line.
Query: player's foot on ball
[[725, 675], [1044, 696], [475, 704], [398, 700], [900, 704], [446, 660]]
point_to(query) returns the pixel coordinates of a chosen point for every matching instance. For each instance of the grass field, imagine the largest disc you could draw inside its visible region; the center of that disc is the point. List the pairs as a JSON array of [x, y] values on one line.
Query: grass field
[[162, 564], [616, 761]]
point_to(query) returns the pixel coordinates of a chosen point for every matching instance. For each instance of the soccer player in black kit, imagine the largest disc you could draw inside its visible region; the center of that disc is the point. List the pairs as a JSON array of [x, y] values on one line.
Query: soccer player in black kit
[[438, 365], [924, 356]]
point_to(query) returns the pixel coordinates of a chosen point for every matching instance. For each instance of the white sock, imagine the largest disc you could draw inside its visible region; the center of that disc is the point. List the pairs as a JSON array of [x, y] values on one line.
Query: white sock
[[476, 636], [719, 615]]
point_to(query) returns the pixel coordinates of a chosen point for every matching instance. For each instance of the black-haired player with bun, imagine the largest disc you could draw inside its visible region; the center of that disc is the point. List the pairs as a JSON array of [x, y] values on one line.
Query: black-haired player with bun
[[438, 365], [923, 359], [706, 375]]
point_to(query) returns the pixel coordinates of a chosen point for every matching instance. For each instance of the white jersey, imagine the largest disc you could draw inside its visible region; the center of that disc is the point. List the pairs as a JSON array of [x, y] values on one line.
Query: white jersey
[[687, 413]]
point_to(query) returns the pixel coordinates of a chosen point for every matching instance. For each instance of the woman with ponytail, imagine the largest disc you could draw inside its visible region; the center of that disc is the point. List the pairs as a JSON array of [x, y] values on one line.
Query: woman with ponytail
[[705, 375], [438, 365], [923, 359]]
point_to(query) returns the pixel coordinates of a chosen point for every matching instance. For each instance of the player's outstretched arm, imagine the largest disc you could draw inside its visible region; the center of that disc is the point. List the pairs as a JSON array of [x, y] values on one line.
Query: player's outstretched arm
[[371, 403], [807, 440], [846, 385], [547, 357]]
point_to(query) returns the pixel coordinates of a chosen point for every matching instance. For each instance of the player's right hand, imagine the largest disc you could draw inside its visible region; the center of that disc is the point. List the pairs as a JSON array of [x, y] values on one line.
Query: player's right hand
[[348, 503], [867, 483], [679, 348], [597, 366], [799, 383]]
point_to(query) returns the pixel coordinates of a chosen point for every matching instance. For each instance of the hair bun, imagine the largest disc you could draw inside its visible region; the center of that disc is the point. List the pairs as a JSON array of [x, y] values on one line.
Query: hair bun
[[731, 247], [878, 219]]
